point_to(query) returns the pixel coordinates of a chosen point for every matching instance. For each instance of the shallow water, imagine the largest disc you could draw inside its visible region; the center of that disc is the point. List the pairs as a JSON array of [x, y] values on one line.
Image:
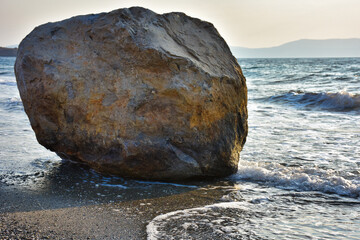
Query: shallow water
[[304, 134], [299, 173]]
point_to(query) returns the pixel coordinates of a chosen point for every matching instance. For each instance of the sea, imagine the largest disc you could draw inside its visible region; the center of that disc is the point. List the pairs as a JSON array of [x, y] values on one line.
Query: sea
[[299, 171]]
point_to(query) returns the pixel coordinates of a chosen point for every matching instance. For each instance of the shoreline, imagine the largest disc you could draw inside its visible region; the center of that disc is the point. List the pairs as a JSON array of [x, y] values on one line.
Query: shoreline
[[118, 220]]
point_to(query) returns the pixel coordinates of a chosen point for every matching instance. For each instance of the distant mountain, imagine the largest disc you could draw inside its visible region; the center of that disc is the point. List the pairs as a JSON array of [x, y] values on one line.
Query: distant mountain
[[304, 48], [8, 52]]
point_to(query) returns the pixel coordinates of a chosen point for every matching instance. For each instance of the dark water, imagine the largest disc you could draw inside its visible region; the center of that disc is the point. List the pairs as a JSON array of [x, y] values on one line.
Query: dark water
[[299, 173]]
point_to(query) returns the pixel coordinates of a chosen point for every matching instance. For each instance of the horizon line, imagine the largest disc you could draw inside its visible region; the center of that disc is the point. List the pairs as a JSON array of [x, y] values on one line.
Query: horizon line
[[301, 39]]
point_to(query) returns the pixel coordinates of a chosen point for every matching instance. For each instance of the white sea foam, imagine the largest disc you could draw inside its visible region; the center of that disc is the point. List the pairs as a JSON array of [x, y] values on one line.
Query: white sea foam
[[299, 178], [192, 219], [7, 79], [24, 179], [276, 219], [14, 100], [341, 100], [262, 215]]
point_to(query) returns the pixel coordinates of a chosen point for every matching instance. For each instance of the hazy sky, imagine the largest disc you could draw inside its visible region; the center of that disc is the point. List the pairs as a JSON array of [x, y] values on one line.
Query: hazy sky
[[247, 23]]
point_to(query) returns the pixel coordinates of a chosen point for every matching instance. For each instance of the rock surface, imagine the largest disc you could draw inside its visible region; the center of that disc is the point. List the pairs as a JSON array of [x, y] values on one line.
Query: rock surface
[[135, 94]]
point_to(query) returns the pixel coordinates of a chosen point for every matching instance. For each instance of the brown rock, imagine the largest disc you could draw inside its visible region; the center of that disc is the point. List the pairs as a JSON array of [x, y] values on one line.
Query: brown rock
[[135, 93]]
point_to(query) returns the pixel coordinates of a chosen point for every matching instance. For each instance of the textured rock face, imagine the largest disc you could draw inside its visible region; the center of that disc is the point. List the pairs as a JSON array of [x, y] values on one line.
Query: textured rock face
[[135, 93]]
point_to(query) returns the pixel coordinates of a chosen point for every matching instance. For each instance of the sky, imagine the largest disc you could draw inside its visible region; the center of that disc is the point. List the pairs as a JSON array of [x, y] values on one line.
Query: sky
[[246, 23]]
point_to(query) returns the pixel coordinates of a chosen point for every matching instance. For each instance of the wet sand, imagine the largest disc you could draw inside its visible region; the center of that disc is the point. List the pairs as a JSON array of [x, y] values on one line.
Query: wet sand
[[38, 216]]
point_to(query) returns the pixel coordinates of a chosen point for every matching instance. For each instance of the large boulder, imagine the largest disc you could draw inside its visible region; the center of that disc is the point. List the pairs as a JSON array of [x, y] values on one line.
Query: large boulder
[[135, 93]]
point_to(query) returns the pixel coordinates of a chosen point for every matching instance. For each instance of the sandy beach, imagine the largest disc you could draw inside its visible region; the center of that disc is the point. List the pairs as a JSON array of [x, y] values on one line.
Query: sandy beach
[[31, 215]]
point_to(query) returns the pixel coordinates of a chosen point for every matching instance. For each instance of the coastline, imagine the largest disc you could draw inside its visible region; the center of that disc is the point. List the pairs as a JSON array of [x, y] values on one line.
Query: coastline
[[8, 52], [118, 220]]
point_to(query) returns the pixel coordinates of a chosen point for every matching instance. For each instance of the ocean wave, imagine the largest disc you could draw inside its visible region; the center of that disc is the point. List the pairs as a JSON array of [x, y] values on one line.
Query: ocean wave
[[278, 217], [299, 178], [8, 73], [7, 80], [12, 104], [342, 78], [252, 67], [340, 101]]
